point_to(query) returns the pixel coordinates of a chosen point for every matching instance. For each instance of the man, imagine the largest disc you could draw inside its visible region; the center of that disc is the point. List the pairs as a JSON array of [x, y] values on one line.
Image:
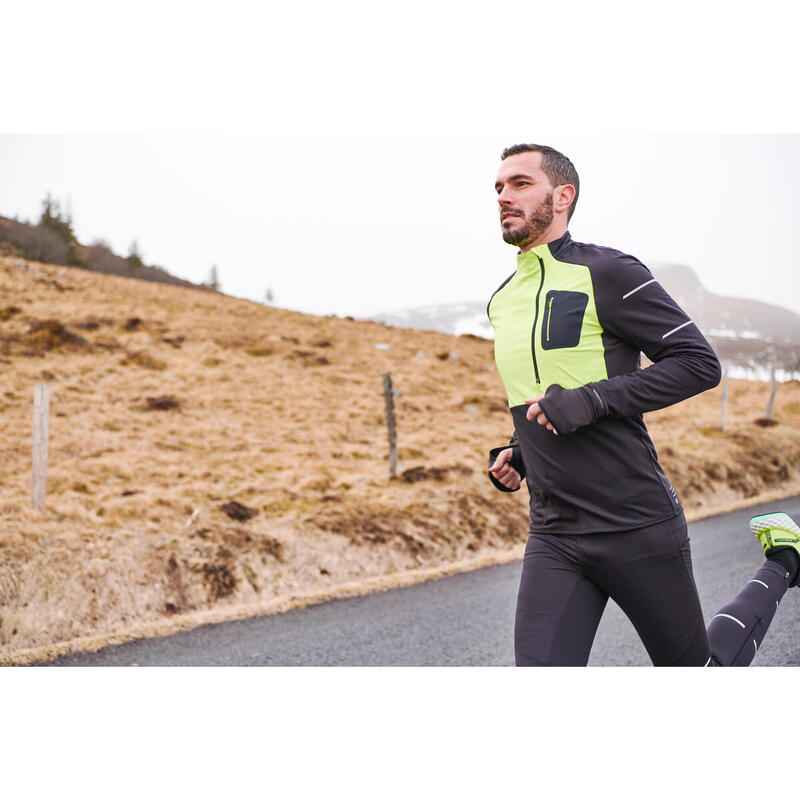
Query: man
[[570, 325]]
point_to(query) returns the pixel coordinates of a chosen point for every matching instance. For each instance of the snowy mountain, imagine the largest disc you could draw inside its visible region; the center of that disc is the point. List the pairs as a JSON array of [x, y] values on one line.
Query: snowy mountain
[[746, 334]]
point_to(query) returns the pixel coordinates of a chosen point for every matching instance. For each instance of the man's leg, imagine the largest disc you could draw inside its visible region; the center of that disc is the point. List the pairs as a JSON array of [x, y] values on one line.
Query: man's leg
[[558, 607], [648, 573], [737, 630]]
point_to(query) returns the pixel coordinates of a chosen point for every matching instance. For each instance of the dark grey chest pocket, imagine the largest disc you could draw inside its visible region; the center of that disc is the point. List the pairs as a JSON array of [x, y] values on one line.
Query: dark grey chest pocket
[[563, 319]]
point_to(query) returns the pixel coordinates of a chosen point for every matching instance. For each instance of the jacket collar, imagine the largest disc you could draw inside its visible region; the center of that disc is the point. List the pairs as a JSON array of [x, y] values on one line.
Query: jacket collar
[[554, 249], [557, 246]]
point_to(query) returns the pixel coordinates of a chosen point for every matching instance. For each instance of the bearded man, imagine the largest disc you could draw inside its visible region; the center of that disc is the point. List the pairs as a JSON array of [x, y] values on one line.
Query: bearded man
[[570, 326]]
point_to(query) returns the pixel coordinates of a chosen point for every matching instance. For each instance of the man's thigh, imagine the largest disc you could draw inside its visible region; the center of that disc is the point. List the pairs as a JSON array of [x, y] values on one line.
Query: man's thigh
[[648, 573], [558, 607]]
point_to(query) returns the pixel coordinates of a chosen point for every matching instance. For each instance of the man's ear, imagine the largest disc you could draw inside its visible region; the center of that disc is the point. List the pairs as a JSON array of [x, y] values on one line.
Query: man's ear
[[563, 196]]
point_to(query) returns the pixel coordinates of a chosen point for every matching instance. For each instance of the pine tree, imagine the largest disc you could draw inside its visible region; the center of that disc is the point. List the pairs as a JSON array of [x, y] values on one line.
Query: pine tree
[[134, 256], [213, 279], [60, 224]]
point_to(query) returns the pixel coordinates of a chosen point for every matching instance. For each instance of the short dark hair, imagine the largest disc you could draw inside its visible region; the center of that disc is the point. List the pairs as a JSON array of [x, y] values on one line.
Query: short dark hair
[[558, 168]]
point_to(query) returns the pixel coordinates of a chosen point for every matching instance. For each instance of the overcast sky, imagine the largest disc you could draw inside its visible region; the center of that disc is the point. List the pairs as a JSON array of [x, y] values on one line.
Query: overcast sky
[[391, 205], [344, 155], [359, 225]]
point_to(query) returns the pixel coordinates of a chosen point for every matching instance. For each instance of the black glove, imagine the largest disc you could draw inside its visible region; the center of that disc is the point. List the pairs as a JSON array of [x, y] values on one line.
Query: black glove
[[515, 461], [570, 409]]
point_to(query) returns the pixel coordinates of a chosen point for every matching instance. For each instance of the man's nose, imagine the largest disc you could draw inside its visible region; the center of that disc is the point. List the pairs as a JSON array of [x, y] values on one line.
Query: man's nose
[[504, 197]]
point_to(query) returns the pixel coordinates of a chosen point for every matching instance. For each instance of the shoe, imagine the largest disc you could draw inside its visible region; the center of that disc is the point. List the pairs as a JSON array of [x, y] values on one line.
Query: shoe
[[776, 532]]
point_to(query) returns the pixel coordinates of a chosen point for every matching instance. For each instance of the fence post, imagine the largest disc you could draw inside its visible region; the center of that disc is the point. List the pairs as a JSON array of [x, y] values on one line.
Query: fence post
[[773, 387], [41, 417], [724, 395], [388, 395]]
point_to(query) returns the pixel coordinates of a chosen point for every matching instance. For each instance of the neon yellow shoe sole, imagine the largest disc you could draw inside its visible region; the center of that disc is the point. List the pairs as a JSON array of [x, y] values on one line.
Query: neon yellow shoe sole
[[776, 530]]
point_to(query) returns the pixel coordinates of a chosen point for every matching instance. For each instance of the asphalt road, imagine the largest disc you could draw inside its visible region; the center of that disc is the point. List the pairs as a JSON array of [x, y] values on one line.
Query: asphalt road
[[462, 620]]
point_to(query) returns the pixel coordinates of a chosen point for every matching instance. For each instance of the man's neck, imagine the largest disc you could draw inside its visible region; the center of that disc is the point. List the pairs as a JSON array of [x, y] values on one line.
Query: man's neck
[[555, 231]]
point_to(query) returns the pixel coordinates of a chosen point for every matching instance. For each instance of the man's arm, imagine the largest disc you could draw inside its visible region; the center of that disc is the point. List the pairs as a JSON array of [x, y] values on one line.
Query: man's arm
[[634, 307]]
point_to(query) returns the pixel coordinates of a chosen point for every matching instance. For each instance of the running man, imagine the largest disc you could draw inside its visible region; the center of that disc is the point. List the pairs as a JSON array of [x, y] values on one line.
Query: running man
[[570, 325]]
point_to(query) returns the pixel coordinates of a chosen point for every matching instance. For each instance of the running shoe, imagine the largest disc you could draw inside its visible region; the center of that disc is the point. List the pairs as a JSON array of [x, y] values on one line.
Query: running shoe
[[776, 531]]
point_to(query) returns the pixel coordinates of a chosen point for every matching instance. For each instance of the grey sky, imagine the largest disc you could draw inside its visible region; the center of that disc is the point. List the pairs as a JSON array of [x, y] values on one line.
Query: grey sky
[[358, 225], [342, 224]]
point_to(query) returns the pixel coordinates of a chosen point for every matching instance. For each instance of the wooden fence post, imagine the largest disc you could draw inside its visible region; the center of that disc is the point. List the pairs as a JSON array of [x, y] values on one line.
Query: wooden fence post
[[771, 401], [41, 419], [388, 395]]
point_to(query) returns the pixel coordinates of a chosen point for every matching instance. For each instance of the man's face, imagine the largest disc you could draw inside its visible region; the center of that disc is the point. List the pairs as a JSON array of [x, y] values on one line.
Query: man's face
[[525, 197]]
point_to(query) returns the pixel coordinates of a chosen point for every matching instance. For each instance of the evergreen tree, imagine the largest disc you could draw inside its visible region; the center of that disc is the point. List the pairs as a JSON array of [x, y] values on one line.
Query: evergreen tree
[[213, 279], [53, 220], [134, 256]]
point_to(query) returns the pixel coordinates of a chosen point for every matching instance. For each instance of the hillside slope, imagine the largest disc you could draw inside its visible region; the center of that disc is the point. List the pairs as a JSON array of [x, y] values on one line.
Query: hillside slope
[[26, 241], [210, 455]]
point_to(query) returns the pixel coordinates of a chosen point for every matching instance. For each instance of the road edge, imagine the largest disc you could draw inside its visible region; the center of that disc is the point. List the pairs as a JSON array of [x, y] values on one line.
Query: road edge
[[283, 603]]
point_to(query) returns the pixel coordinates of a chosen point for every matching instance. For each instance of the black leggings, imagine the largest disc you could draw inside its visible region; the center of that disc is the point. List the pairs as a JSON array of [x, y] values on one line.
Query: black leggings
[[567, 580]]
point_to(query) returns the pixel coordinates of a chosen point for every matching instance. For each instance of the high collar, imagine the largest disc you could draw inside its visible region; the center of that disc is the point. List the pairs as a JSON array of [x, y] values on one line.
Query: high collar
[[526, 261]]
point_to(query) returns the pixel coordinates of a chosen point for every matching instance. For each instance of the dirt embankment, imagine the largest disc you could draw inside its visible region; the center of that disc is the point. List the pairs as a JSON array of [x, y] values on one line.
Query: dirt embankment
[[212, 458]]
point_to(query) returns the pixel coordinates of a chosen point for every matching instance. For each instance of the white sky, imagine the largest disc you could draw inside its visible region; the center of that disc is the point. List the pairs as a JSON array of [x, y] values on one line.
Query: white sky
[[345, 156], [392, 205], [357, 225]]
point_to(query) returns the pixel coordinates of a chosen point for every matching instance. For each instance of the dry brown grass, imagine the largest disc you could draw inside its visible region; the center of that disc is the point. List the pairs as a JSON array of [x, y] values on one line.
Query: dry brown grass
[[176, 413]]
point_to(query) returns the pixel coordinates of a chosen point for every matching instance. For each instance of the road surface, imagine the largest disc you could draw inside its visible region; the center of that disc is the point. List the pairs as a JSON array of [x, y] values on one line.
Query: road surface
[[461, 620]]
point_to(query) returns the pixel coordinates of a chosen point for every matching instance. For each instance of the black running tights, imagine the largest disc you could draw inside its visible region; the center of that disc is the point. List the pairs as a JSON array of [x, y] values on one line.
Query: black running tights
[[567, 580]]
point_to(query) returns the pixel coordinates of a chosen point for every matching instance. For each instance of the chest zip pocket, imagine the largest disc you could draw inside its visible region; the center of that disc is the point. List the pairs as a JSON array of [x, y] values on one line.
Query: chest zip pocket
[[563, 319]]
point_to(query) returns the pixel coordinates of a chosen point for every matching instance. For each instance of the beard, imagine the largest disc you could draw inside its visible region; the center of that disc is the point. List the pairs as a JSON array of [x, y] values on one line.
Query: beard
[[535, 224]]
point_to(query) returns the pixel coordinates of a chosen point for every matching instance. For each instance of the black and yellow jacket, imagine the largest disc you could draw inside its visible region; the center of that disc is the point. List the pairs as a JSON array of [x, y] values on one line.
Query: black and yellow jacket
[[571, 324]]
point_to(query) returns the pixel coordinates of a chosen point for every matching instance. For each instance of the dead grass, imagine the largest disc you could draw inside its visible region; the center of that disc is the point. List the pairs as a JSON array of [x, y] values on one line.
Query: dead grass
[[260, 469], [139, 358]]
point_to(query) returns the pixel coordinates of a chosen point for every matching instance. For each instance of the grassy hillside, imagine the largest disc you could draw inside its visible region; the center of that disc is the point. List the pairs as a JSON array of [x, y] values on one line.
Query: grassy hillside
[[213, 457]]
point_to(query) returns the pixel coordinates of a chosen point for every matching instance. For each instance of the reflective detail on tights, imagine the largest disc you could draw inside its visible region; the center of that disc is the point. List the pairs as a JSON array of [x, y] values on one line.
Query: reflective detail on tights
[[752, 609], [738, 622]]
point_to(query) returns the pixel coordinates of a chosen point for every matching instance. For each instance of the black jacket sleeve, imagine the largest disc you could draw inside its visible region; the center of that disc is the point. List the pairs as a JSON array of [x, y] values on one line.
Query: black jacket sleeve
[[516, 462], [636, 311]]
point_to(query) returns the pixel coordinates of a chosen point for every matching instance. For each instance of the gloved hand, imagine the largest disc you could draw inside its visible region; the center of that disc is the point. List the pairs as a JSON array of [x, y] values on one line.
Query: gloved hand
[[570, 409], [506, 470]]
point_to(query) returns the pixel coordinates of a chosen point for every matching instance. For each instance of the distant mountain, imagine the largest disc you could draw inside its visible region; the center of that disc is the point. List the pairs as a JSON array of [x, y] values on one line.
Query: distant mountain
[[454, 318], [744, 333]]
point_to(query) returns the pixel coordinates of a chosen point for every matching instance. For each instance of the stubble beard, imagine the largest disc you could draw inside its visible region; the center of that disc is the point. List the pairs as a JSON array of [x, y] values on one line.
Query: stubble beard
[[535, 225]]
